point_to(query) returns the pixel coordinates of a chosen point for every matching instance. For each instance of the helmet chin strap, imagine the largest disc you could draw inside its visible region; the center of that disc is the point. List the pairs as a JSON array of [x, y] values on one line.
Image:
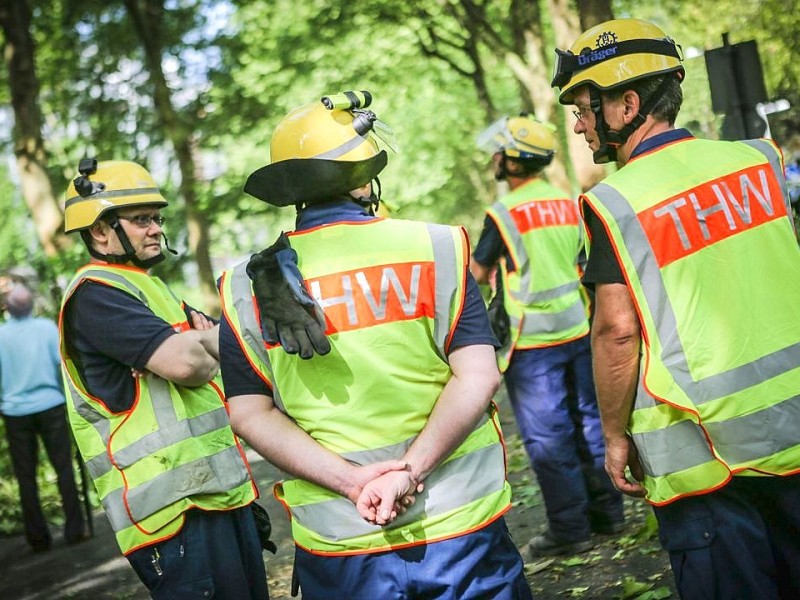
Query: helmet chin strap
[[370, 203], [501, 173], [129, 256], [610, 140]]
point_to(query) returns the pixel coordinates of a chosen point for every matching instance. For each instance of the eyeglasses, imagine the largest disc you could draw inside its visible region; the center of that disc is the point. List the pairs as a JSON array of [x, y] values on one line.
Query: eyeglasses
[[582, 113], [144, 221]]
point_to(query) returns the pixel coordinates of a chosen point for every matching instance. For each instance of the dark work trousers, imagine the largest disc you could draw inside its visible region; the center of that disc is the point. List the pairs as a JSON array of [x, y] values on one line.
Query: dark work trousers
[[216, 554], [23, 434], [552, 393], [741, 542], [480, 565]]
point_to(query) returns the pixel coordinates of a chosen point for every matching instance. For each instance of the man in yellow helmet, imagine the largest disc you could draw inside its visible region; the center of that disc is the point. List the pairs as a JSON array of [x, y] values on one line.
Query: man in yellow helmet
[[533, 236], [145, 400], [696, 334], [395, 412]]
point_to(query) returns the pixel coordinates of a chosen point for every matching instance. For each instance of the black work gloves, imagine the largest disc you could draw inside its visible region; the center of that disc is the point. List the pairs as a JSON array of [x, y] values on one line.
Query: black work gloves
[[289, 314], [264, 527]]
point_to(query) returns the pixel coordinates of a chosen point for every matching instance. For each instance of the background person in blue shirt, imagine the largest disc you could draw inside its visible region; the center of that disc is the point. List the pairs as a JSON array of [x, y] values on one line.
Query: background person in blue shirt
[[32, 405]]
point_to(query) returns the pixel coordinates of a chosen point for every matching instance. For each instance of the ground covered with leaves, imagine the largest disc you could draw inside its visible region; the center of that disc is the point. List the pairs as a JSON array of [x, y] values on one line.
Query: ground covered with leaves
[[626, 566], [629, 565]]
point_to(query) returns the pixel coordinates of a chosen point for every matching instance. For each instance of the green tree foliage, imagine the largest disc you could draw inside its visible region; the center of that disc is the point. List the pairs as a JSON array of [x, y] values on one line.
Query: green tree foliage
[[699, 25], [281, 55]]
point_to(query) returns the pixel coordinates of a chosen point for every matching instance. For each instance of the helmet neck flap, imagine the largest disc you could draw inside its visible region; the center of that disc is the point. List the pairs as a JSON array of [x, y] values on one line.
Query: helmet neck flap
[[322, 151]]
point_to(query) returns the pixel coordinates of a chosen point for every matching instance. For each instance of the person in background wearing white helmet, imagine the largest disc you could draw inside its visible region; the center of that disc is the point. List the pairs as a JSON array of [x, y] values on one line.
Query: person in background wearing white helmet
[[533, 236], [696, 334], [376, 402], [146, 404]]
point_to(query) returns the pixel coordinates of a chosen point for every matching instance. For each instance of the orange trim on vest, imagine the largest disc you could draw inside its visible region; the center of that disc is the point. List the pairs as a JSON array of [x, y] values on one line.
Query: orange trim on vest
[[324, 225], [397, 547], [466, 252], [240, 341]]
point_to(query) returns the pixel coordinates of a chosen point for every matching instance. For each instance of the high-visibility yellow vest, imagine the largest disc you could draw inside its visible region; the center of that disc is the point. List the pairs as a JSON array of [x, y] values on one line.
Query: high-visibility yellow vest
[[171, 451], [710, 257], [392, 292], [541, 230]]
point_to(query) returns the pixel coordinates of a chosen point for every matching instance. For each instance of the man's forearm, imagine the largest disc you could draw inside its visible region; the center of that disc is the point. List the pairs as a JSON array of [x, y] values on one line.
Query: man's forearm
[[616, 370], [615, 354], [464, 399], [209, 338], [278, 439], [274, 436]]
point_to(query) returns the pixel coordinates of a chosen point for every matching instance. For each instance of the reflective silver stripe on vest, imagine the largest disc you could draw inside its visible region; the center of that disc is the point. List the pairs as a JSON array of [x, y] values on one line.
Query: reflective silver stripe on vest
[[193, 478], [712, 387], [643, 399], [158, 387], [551, 294], [249, 327], [674, 448], [213, 474], [664, 451], [101, 274], [756, 435], [446, 265], [195, 427], [446, 488], [87, 412], [524, 295], [533, 323], [393, 452], [523, 268]]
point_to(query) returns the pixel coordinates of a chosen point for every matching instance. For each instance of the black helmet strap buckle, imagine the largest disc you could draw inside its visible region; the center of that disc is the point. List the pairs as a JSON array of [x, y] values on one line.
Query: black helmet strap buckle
[[370, 203]]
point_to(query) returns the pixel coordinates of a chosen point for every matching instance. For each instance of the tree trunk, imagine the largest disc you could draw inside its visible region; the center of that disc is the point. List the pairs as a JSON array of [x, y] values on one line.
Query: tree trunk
[[37, 190], [567, 29], [594, 12], [147, 16]]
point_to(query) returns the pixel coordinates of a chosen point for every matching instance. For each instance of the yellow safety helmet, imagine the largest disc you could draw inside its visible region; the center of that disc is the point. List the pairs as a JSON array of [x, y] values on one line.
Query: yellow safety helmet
[[614, 53], [106, 186], [521, 137], [322, 150]]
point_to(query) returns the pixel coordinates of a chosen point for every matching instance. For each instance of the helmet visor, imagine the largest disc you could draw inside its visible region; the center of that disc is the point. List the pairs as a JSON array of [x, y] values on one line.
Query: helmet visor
[[496, 137], [384, 136]]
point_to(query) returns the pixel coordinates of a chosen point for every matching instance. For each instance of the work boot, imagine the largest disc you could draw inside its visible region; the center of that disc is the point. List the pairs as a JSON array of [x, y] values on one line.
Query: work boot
[[547, 545]]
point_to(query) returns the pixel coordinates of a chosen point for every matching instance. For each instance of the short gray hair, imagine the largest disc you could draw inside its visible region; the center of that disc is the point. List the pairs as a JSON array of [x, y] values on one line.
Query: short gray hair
[[19, 301], [667, 106]]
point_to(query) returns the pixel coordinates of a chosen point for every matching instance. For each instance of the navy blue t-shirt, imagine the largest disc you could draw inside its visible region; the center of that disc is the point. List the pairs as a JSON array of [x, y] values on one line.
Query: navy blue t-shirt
[[602, 266], [110, 333], [240, 379], [491, 246]]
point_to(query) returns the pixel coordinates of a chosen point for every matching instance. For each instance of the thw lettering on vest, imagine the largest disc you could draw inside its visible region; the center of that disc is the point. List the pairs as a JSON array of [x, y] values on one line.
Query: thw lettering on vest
[[712, 212], [544, 213], [376, 295]]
